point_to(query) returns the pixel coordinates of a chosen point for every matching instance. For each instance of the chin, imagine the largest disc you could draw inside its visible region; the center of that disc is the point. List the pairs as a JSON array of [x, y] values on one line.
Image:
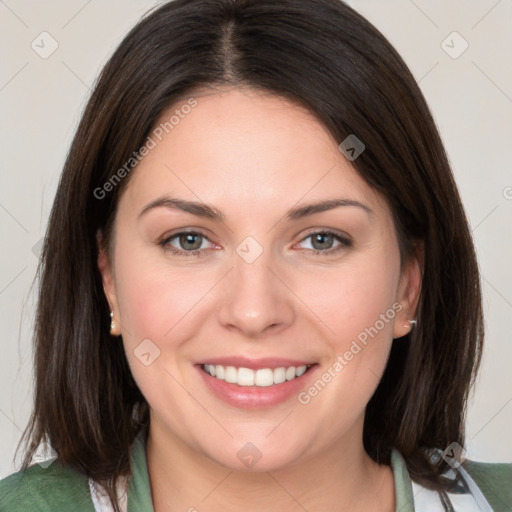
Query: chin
[[259, 455]]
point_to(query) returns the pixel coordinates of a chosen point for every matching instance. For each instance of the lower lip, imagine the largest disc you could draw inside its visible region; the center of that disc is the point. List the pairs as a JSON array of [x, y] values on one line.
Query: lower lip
[[255, 397]]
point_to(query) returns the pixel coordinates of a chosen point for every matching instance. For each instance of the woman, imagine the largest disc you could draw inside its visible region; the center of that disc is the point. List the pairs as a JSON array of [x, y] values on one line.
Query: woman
[[256, 368]]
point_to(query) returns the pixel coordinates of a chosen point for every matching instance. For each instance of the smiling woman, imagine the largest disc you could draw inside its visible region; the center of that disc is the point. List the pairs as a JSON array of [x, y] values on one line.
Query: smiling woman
[[273, 294]]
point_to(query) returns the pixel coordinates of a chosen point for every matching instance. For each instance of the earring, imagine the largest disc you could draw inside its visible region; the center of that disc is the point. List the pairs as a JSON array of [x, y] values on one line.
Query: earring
[[412, 323], [112, 325]]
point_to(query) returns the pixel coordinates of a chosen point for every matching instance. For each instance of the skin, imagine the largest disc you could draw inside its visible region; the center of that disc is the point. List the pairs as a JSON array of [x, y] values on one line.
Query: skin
[[254, 156]]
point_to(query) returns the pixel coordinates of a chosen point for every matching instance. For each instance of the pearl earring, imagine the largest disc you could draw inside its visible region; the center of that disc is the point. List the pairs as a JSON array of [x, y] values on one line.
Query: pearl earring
[[112, 324]]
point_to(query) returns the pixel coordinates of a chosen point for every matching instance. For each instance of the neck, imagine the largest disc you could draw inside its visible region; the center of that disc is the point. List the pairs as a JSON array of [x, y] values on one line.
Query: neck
[[343, 478]]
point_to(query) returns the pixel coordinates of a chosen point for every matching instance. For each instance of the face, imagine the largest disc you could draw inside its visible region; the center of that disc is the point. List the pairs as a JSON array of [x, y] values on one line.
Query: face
[[250, 285]]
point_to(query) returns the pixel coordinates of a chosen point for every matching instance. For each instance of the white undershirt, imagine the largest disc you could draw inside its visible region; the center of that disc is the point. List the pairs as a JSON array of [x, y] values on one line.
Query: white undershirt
[[100, 499]]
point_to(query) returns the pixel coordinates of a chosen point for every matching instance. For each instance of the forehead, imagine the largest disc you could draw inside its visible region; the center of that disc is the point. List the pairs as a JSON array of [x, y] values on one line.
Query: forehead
[[243, 146]]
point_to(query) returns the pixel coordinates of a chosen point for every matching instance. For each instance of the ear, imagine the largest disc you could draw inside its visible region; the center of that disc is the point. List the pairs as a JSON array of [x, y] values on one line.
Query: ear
[[409, 289], [107, 276]]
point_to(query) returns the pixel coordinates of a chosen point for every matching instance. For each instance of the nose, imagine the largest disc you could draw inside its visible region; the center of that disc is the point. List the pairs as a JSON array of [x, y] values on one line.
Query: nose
[[255, 298]]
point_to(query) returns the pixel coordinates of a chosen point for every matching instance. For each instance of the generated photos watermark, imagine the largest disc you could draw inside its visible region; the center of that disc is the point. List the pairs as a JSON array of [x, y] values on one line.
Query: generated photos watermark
[[151, 142], [305, 397]]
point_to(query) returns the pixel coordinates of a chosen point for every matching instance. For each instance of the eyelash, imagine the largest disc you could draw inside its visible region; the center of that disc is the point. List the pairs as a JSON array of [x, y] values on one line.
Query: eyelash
[[345, 242]]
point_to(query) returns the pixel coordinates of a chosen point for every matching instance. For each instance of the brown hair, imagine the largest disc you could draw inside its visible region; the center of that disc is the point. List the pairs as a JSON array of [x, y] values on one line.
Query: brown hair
[[320, 54]]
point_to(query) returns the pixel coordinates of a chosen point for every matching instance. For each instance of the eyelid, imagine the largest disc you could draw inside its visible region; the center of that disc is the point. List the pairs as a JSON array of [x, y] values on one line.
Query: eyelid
[[339, 234]]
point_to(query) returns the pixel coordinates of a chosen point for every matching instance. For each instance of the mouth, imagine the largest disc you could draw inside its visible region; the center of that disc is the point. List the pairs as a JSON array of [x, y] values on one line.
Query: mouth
[[261, 377], [251, 384]]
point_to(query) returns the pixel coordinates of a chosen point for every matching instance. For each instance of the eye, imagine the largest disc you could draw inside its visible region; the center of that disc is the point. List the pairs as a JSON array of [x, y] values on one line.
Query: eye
[[190, 243], [322, 241]]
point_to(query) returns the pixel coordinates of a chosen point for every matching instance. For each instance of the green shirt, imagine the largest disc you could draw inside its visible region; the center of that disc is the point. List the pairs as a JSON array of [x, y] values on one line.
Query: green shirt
[[61, 489]]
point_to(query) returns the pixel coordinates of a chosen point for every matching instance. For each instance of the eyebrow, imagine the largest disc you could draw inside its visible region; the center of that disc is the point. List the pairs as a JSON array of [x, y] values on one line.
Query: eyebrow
[[209, 212]]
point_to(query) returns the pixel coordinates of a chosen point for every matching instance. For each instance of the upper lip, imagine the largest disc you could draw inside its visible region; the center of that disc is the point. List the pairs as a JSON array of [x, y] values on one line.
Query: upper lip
[[255, 364]]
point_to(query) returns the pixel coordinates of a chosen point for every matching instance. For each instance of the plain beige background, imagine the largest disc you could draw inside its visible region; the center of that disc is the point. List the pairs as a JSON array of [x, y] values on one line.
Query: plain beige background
[[469, 92]]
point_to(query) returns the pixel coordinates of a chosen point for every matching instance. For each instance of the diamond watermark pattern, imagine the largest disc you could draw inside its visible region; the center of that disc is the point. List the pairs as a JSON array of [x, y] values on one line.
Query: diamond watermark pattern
[[249, 249], [146, 352], [454, 45], [45, 455], [44, 45], [351, 147], [455, 455], [249, 454], [36, 248]]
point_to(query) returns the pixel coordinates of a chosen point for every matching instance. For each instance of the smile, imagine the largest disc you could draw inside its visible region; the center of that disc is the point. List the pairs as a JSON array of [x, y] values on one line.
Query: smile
[[252, 384], [262, 377]]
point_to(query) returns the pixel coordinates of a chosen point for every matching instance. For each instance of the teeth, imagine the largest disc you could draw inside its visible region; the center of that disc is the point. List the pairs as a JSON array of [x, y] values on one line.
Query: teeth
[[219, 371], [264, 377], [247, 377], [231, 374], [300, 371], [279, 375]]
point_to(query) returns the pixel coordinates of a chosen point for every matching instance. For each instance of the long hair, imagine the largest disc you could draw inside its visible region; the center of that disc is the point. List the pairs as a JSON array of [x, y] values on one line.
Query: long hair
[[322, 55]]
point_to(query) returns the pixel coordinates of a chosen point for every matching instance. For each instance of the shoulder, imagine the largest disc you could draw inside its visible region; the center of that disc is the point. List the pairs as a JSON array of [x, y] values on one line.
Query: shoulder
[[494, 480], [55, 488]]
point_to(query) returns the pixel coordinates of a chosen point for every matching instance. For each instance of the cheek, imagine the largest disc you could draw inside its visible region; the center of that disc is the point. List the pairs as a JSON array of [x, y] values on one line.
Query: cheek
[[353, 297], [358, 306], [152, 301], [153, 295], [157, 311]]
